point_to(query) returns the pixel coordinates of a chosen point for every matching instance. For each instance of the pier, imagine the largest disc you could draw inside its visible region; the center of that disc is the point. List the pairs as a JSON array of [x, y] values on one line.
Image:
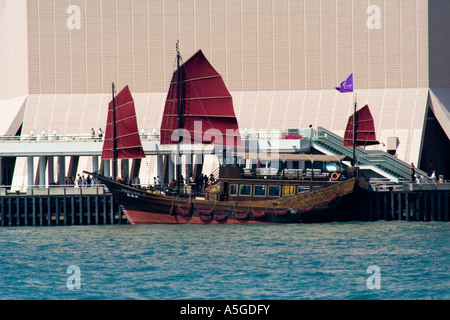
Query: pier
[[40, 200], [68, 205], [403, 201], [59, 206]]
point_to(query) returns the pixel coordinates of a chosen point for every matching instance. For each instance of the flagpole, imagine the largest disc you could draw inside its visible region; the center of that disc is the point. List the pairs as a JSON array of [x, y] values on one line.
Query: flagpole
[[348, 86]]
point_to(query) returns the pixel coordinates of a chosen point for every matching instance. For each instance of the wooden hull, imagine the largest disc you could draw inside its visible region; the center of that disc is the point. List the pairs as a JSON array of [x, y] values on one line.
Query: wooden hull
[[142, 207]]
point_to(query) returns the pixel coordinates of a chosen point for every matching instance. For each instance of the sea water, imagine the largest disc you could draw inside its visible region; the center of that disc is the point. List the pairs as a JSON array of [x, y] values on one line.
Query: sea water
[[356, 260]]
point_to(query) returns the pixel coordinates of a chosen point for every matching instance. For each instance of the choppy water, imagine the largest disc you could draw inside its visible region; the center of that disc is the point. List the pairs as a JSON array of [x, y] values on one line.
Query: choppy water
[[287, 262]]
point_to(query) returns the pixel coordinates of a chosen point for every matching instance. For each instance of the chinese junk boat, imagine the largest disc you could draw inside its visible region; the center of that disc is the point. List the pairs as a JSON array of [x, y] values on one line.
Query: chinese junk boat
[[198, 101]]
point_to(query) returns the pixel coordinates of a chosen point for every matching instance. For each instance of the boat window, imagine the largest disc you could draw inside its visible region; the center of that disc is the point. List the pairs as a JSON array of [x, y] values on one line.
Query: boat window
[[233, 189], [302, 189], [260, 191], [245, 190], [274, 191], [331, 166], [288, 190]]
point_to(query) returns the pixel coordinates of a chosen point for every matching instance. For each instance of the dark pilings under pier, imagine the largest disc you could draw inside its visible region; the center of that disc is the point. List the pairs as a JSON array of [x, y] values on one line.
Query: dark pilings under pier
[[59, 210], [87, 207], [406, 205]]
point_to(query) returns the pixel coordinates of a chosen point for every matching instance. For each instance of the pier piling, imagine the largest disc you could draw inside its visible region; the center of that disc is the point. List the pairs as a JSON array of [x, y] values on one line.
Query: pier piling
[[62, 209], [409, 205], [89, 206]]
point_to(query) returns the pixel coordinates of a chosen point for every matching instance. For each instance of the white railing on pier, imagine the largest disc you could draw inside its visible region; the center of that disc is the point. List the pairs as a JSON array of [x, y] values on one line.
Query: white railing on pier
[[383, 184], [64, 138], [38, 190], [274, 134]]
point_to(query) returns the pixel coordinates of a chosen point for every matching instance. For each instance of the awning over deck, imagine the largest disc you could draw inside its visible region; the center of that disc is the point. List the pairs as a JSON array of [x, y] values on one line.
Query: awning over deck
[[283, 157]]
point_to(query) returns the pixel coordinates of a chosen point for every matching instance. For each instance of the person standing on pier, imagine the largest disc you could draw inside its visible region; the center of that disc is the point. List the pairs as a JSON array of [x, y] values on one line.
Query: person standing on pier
[[413, 172]]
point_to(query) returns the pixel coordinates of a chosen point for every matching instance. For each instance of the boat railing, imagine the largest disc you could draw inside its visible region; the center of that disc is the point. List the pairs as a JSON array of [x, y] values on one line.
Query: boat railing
[[294, 174]]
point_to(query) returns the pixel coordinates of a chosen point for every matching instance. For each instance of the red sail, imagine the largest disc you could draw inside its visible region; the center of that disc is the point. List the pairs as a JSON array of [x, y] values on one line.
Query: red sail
[[207, 111], [365, 129], [127, 135]]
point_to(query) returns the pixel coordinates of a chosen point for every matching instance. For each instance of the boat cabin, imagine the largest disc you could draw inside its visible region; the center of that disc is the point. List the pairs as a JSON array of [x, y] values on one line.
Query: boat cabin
[[263, 189], [250, 184]]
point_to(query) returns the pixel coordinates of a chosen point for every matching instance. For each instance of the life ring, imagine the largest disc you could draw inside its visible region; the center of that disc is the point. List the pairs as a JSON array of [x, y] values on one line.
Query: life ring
[[334, 176]]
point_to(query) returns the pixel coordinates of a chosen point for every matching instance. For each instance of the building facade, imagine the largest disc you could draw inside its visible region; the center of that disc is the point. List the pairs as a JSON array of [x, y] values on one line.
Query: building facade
[[281, 61]]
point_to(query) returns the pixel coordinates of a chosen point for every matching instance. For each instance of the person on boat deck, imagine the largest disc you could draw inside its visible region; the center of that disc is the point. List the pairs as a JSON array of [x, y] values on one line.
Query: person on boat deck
[[100, 135], [211, 179], [205, 179], [433, 176], [191, 179], [137, 182], [199, 183], [93, 134], [158, 181], [172, 184], [181, 179], [413, 172]]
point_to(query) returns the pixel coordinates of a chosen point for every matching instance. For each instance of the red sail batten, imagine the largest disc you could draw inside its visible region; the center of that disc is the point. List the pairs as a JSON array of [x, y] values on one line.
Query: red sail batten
[[129, 144], [365, 129], [207, 107]]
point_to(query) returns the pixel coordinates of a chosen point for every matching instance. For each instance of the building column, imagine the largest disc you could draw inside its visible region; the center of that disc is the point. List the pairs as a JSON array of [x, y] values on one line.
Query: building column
[[51, 170], [188, 167], [198, 164], [61, 170], [1, 172], [125, 169], [135, 168], [106, 168], [30, 162], [171, 170], [160, 166], [302, 165], [290, 165], [42, 165], [94, 163], [73, 167]]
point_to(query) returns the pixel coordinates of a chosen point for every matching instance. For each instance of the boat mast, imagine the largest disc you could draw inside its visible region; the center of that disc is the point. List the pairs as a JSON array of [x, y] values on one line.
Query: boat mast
[[354, 134], [114, 161], [179, 80]]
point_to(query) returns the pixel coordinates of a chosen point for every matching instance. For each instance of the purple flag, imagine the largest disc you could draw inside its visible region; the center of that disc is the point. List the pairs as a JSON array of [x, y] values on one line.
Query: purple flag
[[347, 85]]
